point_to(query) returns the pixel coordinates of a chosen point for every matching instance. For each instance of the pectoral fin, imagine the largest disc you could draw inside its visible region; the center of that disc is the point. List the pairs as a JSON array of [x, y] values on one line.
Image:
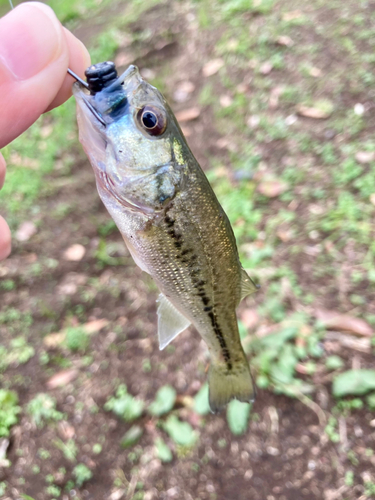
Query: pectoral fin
[[170, 323], [247, 284]]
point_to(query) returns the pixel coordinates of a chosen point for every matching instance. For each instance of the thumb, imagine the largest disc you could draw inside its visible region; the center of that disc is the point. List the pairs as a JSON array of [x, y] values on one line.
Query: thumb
[[34, 57]]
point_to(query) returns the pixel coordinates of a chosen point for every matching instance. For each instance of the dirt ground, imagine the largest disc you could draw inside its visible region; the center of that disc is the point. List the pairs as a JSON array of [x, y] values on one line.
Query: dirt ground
[[286, 453]]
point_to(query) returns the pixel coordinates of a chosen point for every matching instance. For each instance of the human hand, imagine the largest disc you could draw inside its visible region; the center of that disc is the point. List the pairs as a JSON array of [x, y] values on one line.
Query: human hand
[[35, 53]]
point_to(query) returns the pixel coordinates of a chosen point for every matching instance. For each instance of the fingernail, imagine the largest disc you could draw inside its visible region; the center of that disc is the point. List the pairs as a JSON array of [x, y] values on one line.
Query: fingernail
[[30, 38]]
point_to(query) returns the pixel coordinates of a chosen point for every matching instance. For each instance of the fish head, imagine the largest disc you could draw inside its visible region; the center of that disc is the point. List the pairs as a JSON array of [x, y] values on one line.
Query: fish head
[[132, 140]]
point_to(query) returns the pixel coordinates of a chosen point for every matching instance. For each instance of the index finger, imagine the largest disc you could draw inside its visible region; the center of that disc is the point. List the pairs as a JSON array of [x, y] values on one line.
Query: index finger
[[35, 54]]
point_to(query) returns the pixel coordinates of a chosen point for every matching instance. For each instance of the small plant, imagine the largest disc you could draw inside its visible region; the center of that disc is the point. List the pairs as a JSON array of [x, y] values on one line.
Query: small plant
[[238, 416], [69, 449], [181, 432], [331, 430], [53, 491], [43, 408], [164, 401], [353, 382], [9, 410], [163, 451], [77, 339], [82, 474], [131, 437], [124, 405]]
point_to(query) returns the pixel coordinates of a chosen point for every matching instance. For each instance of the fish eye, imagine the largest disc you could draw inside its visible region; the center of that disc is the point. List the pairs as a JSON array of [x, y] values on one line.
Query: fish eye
[[152, 120]]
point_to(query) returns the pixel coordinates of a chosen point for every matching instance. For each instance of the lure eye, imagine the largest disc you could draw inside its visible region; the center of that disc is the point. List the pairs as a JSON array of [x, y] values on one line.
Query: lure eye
[[152, 120]]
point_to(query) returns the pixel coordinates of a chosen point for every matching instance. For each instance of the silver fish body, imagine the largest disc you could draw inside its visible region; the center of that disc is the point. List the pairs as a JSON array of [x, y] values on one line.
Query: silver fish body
[[171, 221]]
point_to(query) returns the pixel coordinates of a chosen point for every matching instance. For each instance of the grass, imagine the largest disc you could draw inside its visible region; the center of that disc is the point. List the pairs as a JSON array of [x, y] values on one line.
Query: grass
[[310, 246]]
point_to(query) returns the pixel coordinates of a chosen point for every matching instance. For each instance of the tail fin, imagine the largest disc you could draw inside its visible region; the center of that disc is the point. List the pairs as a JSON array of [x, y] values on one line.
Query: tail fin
[[226, 384]]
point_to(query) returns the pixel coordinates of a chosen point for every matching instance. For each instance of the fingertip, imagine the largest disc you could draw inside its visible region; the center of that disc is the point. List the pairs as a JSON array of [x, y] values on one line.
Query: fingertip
[[5, 239], [2, 170], [33, 63]]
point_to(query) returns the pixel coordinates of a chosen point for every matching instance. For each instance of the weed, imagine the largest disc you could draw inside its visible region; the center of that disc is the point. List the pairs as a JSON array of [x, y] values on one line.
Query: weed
[[349, 478], [9, 410], [82, 474], [69, 449], [331, 430], [124, 405], [42, 409], [77, 339], [164, 401]]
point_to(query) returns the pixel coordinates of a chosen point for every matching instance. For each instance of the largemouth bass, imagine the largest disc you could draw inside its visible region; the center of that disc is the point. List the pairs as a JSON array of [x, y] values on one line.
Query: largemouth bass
[[169, 217]]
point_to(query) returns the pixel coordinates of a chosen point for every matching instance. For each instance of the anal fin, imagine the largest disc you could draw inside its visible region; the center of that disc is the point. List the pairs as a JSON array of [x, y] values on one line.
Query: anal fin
[[170, 322], [247, 284]]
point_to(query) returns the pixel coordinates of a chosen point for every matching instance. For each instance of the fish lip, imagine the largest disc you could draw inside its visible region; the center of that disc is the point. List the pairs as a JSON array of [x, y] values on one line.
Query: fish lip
[[93, 111], [128, 82], [126, 79]]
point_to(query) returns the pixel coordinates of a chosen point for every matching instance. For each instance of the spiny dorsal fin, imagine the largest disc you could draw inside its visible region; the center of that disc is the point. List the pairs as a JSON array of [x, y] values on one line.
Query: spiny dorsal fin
[[170, 323], [247, 284]]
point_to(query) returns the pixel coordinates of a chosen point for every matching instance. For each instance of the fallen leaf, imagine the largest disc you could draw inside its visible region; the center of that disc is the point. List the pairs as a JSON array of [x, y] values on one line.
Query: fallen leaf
[[266, 68], [212, 67], [274, 96], [272, 188], [292, 15], [30, 258], [223, 142], [54, 339], [321, 109], [4, 462], [250, 318], [61, 378], [23, 161], [187, 115], [95, 325], [70, 283], [66, 430], [284, 235], [315, 72], [46, 131], [253, 121], [225, 101], [183, 91], [123, 59], [242, 88], [336, 321], [285, 41], [372, 198], [74, 253], [365, 156], [25, 231]]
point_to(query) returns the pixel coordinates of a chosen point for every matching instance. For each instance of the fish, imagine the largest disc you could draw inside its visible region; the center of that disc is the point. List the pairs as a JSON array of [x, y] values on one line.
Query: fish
[[169, 217]]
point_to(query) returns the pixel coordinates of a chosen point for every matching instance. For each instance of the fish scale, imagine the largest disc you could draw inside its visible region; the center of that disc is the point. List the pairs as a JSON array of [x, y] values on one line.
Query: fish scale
[[170, 219]]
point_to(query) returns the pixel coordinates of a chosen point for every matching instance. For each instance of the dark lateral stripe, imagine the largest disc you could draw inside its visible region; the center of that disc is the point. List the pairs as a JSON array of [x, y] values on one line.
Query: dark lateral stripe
[[221, 339], [170, 222]]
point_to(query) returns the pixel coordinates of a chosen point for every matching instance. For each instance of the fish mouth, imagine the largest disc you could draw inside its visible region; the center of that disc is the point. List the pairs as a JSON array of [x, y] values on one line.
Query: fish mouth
[[100, 103]]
